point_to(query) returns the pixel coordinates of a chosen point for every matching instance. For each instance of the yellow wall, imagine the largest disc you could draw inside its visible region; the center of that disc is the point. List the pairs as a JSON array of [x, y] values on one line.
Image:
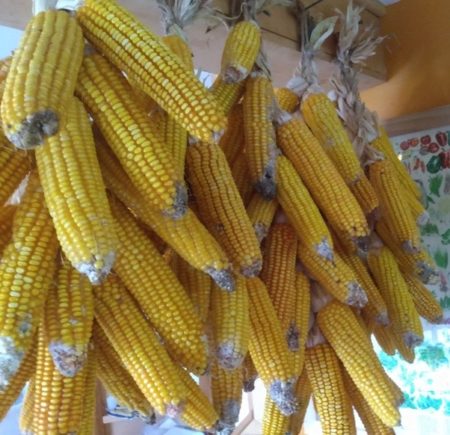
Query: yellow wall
[[417, 58]]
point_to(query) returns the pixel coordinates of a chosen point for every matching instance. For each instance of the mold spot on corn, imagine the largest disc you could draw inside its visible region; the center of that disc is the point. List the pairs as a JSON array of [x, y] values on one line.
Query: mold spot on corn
[[356, 295], [67, 359], [282, 393], [228, 416], [222, 277], [179, 208], [292, 337], [324, 249], [10, 359], [92, 270], [228, 356]]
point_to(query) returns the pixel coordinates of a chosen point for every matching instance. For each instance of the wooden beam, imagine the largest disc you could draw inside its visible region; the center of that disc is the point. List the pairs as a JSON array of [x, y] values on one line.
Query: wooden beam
[[279, 33]]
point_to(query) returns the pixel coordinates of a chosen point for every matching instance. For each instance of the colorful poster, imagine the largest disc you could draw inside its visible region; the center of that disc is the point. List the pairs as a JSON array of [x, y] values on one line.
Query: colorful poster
[[426, 154]]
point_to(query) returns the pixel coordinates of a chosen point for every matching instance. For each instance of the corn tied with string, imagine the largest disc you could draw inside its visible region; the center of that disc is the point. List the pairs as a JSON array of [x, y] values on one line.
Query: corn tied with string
[[152, 66], [187, 236], [26, 273], [42, 78]]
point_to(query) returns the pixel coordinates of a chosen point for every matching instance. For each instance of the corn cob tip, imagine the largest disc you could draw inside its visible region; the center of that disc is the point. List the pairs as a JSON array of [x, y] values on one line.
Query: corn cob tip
[[427, 273], [253, 269], [410, 246], [325, 250], [68, 360], [266, 185], [362, 245], [229, 416], [10, 359], [283, 395], [34, 129], [228, 356], [234, 74], [357, 297], [382, 318], [92, 270], [423, 218], [174, 410], [179, 208], [249, 384], [411, 340], [261, 231], [222, 277], [293, 337]]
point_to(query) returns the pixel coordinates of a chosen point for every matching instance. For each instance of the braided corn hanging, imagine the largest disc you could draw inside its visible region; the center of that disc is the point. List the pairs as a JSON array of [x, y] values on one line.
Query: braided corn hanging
[[152, 66], [42, 78]]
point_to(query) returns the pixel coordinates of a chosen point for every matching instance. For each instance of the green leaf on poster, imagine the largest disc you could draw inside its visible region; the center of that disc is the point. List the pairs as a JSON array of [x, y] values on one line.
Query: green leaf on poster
[[446, 237], [435, 185], [441, 258], [428, 229], [444, 302]]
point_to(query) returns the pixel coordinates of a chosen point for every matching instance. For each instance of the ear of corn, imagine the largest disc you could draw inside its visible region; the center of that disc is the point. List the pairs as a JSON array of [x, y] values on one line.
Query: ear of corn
[[426, 304], [335, 277], [233, 140], [187, 236], [241, 177], [240, 51], [385, 338], [6, 221], [372, 423], [226, 389], [157, 290], [116, 379], [366, 196], [26, 273], [418, 211], [222, 209], [58, 400], [128, 131], [302, 212], [227, 94], [331, 400], [10, 393], [340, 327], [26, 412], [68, 320], [82, 219], [260, 147], [249, 374], [138, 347], [330, 192], [269, 350], [152, 66], [287, 100], [394, 207], [394, 290], [180, 48], [87, 426], [14, 165], [42, 79], [274, 422], [303, 394], [261, 213], [231, 324]]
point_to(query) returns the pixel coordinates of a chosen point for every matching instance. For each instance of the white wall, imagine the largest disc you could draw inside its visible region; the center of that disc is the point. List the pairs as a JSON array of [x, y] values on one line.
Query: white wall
[[9, 39]]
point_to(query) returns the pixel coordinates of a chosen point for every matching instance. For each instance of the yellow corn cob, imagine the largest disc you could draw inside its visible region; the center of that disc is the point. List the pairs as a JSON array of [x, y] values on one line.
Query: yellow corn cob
[[385, 339], [128, 131], [372, 423], [303, 394], [260, 144], [198, 286], [417, 263], [382, 143], [321, 116], [6, 221], [187, 236], [222, 210], [231, 324], [249, 374], [353, 347], [418, 211], [274, 422], [366, 196], [330, 398], [5, 65], [147, 103], [241, 178], [198, 413], [76, 198], [42, 80], [68, 320], [138, 347], [394, 290], [302, 212], [302, 313], [330, 192], [279, 276], [394, 207], [116, 379], [407, 353], [158, 292], [240, 51], [375, 309], [14, 165], [287, 100], [90, 391], [268, 348], [233, 140], [227, 94], [180, 48], [226, 389], [11, 392], [26, 412], [426, 304], [261, 213], [152, 66], [26, 273], [58, 400], [335, 277], [395, 389]]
